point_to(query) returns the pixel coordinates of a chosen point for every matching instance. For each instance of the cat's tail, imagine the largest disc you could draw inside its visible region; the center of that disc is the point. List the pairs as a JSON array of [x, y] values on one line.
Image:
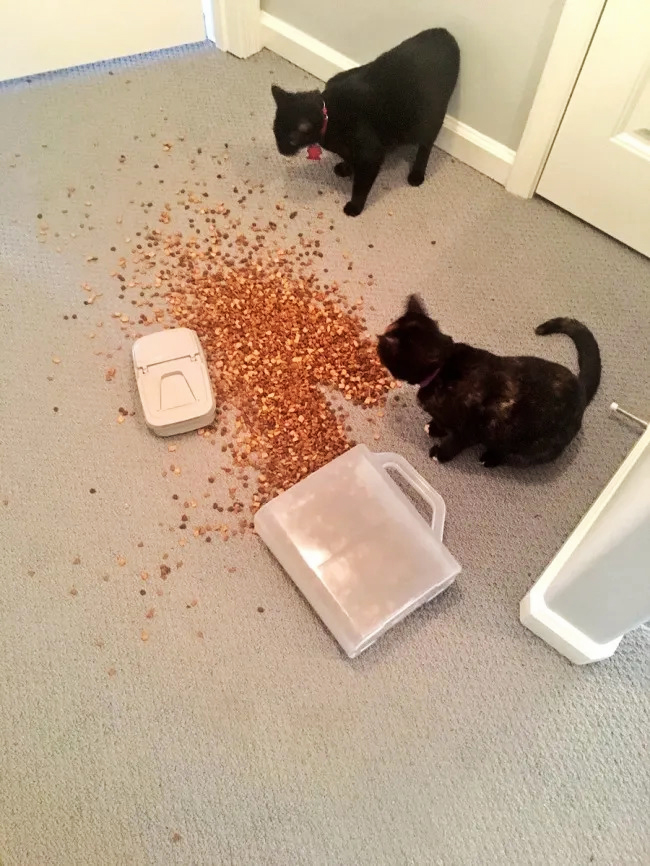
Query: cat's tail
[[588, 352]]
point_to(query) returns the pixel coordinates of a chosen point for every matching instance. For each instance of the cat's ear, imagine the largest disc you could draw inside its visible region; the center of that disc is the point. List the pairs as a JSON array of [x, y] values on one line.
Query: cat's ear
[[281, 96], [415, 306]]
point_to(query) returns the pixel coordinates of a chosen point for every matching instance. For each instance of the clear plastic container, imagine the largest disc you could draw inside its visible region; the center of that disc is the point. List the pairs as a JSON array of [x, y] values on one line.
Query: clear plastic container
[[357, 547]]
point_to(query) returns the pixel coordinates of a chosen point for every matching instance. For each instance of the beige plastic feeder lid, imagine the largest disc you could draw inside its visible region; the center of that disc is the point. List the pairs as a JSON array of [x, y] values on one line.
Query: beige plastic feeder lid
[[173, 381]]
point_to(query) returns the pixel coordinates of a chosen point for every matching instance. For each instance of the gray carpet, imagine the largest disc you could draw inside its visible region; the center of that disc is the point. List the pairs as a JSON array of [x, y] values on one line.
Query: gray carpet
[[232, 736]]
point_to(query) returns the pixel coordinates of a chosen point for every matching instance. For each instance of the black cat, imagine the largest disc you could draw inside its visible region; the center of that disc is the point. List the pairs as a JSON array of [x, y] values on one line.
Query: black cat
[[399, 98], [520, 409]]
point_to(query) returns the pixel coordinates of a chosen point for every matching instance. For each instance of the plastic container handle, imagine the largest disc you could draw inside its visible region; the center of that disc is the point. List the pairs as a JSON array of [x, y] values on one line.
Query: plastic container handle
[[390, 460]]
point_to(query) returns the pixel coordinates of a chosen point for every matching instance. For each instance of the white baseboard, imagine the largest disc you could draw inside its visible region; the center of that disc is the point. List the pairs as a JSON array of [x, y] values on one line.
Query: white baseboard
[[456, 138], [301, 49], [479, 151]]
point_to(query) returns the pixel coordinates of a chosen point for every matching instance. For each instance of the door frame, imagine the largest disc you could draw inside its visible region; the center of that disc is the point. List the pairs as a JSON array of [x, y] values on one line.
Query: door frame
[[575, 32], [234, 25]]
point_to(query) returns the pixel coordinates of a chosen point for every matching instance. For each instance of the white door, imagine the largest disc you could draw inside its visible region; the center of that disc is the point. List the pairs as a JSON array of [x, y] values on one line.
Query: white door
[[52, 34], [599, 165]]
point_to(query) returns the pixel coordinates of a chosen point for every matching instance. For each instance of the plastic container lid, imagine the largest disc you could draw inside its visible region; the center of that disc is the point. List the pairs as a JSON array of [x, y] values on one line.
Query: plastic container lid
[[173, 381], [357, 547]]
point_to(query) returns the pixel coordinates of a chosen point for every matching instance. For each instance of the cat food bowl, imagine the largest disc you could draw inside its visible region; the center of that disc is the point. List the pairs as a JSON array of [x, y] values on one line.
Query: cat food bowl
[[357, 547], [173, 381]]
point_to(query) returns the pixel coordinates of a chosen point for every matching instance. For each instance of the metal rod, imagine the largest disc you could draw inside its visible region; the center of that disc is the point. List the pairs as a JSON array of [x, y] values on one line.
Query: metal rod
[[617, 409]]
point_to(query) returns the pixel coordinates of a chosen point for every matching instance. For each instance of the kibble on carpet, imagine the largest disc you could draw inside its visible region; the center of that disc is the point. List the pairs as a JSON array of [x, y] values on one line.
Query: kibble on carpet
[[166, 703]]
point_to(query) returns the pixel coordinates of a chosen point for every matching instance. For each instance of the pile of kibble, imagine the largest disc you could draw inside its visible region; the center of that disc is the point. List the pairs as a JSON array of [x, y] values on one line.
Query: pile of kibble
[[279, 343]]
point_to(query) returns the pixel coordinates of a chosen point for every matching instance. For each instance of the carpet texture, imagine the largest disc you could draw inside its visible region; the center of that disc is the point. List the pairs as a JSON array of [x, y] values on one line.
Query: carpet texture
[[234, 736]]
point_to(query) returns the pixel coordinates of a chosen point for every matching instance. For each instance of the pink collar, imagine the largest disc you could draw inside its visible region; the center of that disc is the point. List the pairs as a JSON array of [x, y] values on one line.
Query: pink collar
[[314, 151], [429, 379]]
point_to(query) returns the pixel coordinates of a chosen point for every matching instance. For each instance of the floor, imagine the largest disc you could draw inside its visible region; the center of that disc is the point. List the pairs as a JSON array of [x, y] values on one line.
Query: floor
[[235, 736]]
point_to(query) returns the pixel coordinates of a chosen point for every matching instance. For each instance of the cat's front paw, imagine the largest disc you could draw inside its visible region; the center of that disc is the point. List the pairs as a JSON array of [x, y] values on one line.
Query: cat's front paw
[[434, 429], [440, 453], [490, 459], [446, 450], [343, 169], [352, 209], [416, 177]]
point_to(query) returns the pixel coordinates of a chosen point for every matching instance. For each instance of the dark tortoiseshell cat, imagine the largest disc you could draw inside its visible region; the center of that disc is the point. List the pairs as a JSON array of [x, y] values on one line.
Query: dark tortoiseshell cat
[[519, 409], [399, 98]]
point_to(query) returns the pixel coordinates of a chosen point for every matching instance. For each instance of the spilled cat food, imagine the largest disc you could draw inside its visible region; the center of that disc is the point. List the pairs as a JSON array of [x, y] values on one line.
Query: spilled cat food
[[278, 342]]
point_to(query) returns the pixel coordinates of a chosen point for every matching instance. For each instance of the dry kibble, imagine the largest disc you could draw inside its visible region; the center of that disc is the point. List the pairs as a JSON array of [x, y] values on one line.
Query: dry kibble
[[144, 635], [278, 342], [274, 339], [121, 560]]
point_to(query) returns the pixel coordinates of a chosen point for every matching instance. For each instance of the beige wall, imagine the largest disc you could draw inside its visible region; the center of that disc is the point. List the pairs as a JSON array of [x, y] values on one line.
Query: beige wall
[[504, 44], [55, 34]]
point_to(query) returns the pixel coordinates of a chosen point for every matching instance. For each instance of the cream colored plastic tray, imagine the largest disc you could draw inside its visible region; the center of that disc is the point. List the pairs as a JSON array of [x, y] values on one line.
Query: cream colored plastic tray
[[173, 381]]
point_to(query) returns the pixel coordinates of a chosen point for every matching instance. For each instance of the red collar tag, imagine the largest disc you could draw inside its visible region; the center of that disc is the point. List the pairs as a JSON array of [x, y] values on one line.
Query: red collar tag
[[315, 151]]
